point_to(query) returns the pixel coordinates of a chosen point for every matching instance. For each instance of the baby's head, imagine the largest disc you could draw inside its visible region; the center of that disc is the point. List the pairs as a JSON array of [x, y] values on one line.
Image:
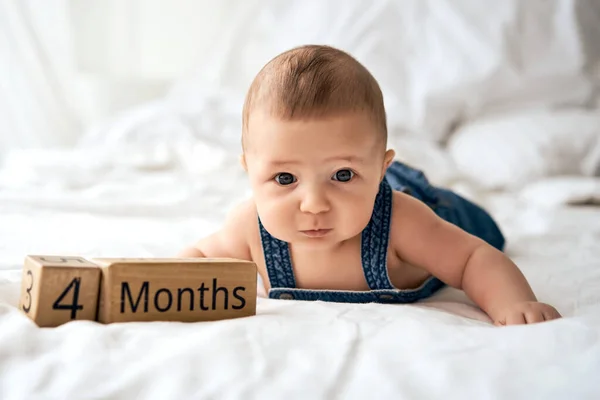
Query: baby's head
[[314, 139]]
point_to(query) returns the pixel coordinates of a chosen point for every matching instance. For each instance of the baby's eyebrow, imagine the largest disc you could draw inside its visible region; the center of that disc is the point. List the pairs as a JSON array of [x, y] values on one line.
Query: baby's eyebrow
[[349, 158], [353, 159], [278, 163]]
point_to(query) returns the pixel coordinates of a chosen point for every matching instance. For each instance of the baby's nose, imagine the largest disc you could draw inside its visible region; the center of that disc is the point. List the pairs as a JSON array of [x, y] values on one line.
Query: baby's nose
[[314, 201]]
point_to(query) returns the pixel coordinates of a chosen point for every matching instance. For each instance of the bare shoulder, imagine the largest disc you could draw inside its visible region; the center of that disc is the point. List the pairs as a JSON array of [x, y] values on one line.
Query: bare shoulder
[[241, 226], [422, 238], [243, 216], [407, 210], [408, 213], [235, 237]]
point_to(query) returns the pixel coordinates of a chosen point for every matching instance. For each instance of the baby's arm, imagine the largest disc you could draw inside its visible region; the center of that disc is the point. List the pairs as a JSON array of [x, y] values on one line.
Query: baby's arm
[[466, 262], [231, 241]]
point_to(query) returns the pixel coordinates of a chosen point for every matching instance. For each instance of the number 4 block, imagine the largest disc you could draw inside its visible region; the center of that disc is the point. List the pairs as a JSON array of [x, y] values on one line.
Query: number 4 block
[[56, 290]]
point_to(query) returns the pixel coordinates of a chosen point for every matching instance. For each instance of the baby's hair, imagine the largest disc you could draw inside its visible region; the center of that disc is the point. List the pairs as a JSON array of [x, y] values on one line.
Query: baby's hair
[[315, 81]]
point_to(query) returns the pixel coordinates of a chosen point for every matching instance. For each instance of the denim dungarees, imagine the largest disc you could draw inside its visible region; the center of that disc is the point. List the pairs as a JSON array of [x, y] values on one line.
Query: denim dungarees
[[374, 243]]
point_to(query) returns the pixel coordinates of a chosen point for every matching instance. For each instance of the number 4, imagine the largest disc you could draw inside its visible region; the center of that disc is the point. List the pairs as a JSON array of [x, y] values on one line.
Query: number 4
[[73, 306]]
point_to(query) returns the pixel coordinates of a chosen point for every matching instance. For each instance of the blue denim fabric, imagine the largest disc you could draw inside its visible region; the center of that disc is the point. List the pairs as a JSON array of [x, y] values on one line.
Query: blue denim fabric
[[374, 243], [402, 296], [446, 204]]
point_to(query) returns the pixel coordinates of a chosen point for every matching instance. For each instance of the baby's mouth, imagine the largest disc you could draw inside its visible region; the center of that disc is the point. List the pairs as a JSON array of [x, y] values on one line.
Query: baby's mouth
[[315, 233]]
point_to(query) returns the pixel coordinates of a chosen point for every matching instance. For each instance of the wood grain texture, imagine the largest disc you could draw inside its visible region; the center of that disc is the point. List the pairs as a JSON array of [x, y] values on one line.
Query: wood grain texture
[[186, 290], [59, 289]]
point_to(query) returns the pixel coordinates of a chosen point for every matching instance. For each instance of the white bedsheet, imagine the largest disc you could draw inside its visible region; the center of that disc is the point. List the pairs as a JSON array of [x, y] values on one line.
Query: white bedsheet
[[98, 203]]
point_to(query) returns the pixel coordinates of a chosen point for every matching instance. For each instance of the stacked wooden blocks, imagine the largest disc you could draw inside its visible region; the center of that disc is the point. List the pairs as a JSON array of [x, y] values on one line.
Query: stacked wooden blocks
[[59, 289]]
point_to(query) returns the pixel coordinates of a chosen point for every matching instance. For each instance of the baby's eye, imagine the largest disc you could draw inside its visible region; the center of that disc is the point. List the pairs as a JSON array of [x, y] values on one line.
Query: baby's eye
[[343, 175], [285, 178]]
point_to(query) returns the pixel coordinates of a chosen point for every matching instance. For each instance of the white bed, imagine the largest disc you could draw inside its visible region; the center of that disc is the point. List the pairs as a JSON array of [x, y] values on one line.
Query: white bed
[[444, 348], [162, 175]]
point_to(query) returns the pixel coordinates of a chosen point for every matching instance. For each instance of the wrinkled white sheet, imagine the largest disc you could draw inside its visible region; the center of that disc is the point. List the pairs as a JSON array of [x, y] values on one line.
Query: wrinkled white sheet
[[72, 202]]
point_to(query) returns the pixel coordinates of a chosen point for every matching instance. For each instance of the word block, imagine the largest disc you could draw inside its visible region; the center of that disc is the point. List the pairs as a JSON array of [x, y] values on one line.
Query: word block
[[181, 289], [59, 289]]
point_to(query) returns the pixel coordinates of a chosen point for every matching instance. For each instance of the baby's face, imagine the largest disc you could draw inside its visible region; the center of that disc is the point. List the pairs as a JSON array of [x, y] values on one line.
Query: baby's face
[[315, 181]]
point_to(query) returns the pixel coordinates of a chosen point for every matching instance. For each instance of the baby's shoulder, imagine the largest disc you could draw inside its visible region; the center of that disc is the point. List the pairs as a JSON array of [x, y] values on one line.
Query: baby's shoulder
[[242, 225], [243, 215], [236, 234], [244, 209], [407, 210], [401, 200]]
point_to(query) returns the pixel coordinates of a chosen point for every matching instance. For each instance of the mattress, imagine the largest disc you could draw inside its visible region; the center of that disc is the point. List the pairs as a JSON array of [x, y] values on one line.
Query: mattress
[[116, 203]]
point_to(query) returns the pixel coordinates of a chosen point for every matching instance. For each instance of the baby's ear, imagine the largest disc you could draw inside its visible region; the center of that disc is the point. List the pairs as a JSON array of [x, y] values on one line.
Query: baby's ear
[[388, 158], [243, 162]]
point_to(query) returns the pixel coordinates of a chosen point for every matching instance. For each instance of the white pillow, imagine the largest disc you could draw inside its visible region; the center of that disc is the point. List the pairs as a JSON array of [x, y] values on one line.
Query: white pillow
[[509, 150], [427, 156], [561, 190]]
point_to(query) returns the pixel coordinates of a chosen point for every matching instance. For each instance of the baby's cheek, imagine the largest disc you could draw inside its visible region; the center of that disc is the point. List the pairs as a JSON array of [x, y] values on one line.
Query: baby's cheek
[[274, 218], [356, 215]]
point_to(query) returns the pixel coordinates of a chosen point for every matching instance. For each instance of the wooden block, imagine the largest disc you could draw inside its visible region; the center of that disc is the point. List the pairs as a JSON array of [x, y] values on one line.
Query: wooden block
[[179, 289], [59, 289]]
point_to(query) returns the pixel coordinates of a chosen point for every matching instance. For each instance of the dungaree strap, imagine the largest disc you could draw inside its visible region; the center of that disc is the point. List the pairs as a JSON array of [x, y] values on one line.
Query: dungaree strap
[[375, 239], [277, 260]]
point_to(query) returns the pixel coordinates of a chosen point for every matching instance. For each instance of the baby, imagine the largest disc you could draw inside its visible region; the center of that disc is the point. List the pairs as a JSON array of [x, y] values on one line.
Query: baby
[[334, 218]]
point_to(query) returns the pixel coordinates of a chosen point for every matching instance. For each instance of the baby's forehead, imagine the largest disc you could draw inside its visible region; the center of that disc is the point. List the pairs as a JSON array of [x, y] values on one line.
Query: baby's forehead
[[268, 124], [350, 137], [270, 116]]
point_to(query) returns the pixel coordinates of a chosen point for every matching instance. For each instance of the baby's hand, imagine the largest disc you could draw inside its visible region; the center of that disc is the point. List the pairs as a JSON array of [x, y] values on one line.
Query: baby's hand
[[527, 312]]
